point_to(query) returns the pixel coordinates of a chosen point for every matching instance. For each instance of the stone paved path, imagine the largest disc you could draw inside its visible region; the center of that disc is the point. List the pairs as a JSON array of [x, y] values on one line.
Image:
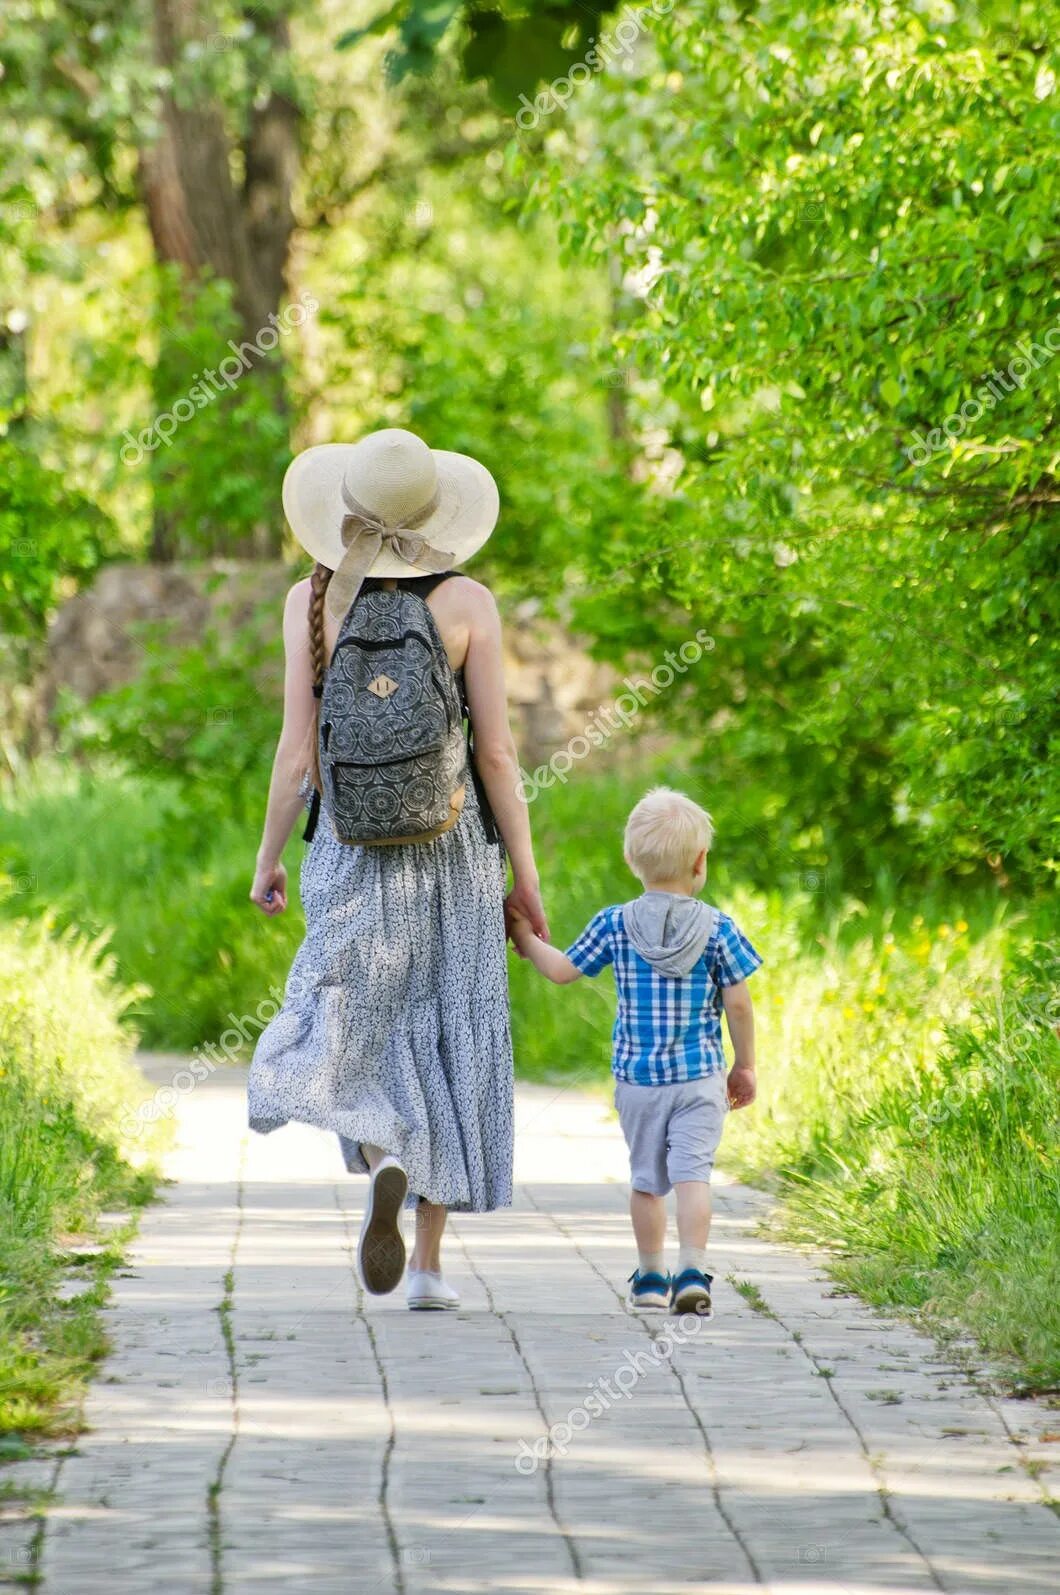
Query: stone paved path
[[264, 1426]]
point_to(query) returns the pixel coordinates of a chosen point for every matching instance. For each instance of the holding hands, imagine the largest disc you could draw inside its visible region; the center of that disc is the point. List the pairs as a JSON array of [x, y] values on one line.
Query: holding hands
[[523, 906]]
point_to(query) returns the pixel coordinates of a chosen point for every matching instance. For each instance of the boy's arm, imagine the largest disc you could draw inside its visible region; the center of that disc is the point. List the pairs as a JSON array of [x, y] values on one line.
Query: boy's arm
[[548, 961], [739, 1016]]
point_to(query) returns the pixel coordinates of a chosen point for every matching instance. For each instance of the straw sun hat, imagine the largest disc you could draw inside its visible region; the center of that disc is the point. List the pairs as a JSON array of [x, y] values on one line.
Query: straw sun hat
[[387, 506]]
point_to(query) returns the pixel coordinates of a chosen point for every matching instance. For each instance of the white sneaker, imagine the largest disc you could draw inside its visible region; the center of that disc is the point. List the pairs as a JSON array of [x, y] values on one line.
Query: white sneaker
[[429, 1292], [381, 1249]]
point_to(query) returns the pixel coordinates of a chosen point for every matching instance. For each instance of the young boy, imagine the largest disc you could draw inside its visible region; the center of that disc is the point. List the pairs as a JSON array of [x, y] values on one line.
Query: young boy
[[678, 963]]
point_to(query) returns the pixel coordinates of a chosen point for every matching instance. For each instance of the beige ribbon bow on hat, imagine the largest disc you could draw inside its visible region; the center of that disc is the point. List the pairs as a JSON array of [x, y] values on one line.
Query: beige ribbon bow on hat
[[365, 536]]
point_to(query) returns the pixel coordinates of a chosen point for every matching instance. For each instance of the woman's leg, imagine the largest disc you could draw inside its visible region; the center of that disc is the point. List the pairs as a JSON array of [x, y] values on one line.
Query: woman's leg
[[426, 1250], [381, 1248], [430, 1222]]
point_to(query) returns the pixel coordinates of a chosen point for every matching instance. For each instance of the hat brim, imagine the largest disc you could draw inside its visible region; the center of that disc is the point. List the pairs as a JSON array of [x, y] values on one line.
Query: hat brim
[[467, 510]]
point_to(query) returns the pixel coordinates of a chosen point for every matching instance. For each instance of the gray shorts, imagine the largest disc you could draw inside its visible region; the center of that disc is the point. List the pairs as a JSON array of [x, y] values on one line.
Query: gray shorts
[[672, 1131]]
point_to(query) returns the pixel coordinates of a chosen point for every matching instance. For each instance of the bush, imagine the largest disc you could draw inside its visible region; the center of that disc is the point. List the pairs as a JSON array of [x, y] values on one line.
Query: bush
[[909, 1120], [49, 536], [206, 714], [135, 857], [67, 1081]]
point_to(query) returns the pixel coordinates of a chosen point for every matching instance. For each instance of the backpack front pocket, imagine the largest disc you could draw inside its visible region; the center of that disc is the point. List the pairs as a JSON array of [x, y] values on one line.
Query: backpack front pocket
[[384, 801]]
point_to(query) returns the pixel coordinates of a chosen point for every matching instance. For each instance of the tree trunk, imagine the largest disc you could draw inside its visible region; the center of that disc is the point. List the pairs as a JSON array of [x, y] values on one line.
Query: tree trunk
[[202, 218]]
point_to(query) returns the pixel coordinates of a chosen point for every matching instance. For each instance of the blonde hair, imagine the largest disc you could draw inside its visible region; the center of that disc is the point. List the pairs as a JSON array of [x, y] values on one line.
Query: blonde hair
[[665, 834]]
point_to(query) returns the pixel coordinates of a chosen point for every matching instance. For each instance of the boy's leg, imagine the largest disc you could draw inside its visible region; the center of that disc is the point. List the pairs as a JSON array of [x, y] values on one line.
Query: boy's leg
[[694, 1133], [693, 1224], [644, 1128], [648, 1215]]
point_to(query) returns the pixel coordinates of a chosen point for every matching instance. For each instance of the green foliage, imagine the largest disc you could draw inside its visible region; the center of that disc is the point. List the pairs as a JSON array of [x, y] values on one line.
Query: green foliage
[[462, 334], [206, 714], [163, 868], [832, 227], [50, 536], [512, 45], [933, 1173], [208, 386], [66, 1085]]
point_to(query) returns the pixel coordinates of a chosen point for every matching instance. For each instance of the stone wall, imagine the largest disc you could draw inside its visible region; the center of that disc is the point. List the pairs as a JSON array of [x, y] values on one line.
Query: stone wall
[[552, 685]]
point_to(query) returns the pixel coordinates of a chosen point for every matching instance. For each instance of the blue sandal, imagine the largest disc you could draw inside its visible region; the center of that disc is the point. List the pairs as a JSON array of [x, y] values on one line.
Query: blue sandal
[[690, 1293], [649, 1290]]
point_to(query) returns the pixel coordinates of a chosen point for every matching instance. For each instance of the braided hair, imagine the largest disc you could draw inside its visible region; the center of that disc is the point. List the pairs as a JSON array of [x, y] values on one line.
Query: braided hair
[[318, 586]]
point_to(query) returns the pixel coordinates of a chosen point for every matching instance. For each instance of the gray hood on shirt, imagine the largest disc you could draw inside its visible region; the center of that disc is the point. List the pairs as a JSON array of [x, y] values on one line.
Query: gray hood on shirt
[[669, 930]]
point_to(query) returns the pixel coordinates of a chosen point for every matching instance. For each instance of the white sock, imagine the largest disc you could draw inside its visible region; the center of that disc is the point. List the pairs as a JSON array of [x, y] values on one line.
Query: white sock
[[651, 1262], [692, 1257]]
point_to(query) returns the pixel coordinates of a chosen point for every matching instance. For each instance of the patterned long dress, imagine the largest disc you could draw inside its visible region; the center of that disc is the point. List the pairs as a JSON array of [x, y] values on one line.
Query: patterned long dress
[[395, 1024]]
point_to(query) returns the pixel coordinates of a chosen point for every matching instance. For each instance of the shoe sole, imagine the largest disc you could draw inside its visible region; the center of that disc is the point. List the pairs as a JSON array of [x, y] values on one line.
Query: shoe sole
[[432, 1306], [381, 1250], [694, 1301], [639, 1304]]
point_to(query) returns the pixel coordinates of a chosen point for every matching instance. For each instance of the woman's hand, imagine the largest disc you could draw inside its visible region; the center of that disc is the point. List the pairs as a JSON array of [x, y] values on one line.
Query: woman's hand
[[269, 890], [524, 902]]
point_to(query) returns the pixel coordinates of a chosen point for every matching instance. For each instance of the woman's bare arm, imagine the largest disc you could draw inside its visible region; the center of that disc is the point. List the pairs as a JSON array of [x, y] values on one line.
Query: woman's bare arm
[[496, 758], [293, 755]]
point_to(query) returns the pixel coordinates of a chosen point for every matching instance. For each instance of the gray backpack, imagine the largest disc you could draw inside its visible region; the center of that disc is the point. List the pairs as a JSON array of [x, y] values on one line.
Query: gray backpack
[[391, 744]]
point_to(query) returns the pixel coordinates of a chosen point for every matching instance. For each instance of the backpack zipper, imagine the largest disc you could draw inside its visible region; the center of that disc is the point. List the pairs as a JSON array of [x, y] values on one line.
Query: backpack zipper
[[371, 646], [373, 764]]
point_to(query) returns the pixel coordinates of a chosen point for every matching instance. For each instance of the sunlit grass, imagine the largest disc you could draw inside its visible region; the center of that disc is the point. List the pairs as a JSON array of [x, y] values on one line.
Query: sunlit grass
[[66, 1083], [137, 859]]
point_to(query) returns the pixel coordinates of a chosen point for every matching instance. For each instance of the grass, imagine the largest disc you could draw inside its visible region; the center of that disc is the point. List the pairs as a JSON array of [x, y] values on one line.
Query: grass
[[916, 1135], [752, 1296], [133, 858], [66, 1084]]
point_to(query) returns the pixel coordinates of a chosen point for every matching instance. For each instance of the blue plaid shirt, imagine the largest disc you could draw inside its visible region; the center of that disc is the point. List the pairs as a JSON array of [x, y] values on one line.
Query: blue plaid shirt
[[666, 1028]]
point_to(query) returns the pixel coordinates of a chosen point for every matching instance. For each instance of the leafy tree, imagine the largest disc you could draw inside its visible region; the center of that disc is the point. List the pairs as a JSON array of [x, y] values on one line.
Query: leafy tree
[[49, 534], [838, 228], [181, 112], [513, 45]]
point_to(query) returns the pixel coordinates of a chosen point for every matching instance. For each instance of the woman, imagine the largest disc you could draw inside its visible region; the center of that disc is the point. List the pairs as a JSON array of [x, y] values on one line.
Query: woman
[[394, 1030]]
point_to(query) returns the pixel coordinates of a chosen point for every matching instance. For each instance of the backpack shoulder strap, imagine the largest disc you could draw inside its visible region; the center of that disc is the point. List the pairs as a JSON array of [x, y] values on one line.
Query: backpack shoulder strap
[[314, 815], [427, 584]]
